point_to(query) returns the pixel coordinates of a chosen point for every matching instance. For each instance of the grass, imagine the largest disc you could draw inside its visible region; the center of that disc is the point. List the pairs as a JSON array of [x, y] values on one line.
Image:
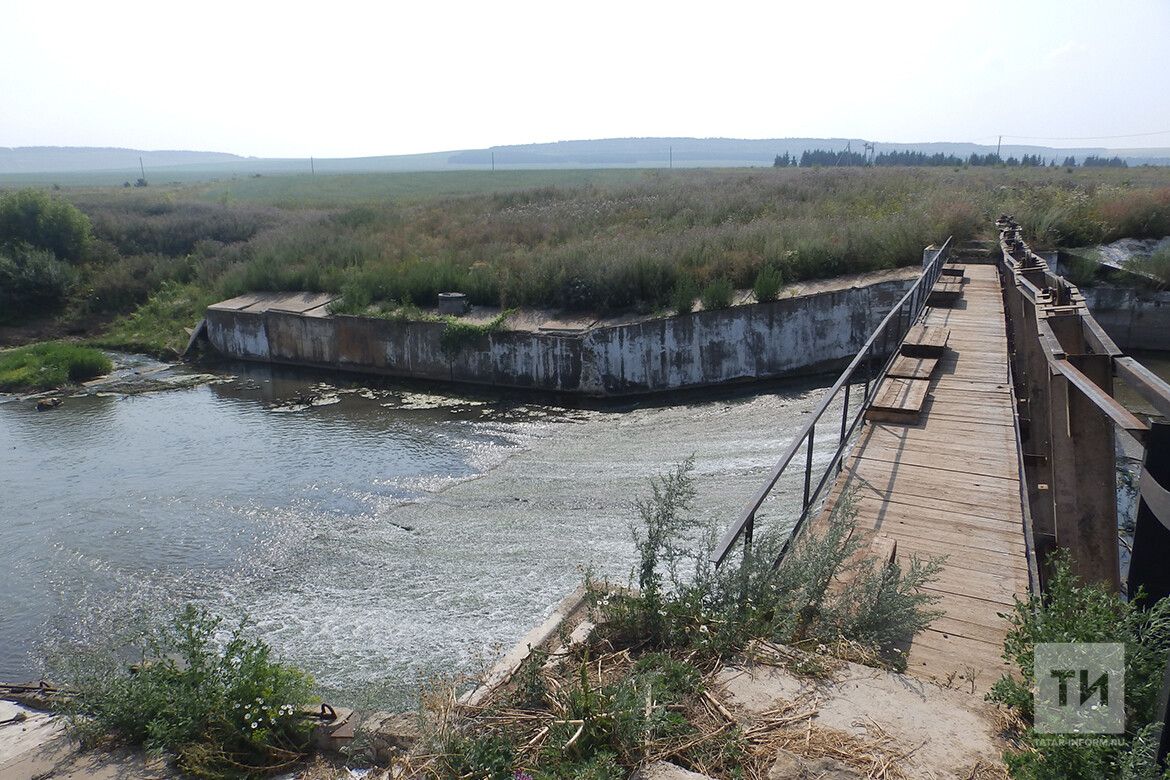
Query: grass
[[602, 240], [49, 365], [158, 326]]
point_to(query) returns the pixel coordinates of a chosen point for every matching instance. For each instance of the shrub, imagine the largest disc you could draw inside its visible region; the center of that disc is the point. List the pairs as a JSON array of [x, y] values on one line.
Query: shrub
[[768, 283], [218, 710], [682, 298], [50, 365], [717, 294], [32, 282], [35, 218], [684, 603], [1071, 611]]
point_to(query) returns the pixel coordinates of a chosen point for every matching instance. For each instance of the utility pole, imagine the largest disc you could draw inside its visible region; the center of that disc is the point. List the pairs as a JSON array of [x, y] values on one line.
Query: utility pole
[[493, 162], [142, 168], [670, 156], [998, 146], [312, 167]]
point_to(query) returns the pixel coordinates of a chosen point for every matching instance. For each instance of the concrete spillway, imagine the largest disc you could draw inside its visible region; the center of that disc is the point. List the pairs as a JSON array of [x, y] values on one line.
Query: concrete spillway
[[794, 334]]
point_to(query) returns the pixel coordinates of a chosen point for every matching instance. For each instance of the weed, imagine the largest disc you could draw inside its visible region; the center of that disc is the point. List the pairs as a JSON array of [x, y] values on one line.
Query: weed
[[1071, 611], [717, 294], [683, 296], [768, 283], [459, 335], [218, 710], [49, 365]]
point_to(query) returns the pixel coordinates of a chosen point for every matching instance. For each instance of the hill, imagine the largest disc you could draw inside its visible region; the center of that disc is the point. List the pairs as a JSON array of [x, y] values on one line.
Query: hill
[[98, 166]]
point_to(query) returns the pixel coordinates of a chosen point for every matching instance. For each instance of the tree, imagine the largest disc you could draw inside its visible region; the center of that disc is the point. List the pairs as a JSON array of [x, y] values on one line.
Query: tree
[[32, 218]]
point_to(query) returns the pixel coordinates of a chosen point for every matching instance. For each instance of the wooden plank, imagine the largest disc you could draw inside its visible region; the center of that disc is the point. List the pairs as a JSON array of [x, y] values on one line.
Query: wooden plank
[[898, 399], [912, 368], [925, 341], [947, 485]]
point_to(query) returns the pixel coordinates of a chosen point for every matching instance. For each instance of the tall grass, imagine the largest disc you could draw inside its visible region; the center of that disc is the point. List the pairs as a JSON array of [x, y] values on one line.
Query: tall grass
[[599, 241]]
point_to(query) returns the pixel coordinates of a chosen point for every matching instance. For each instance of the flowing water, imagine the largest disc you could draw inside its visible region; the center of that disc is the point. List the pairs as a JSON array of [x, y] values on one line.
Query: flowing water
[[376, 534]]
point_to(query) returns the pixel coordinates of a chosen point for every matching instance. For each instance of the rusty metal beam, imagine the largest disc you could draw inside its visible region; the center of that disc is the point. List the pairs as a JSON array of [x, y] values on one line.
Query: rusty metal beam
[[1147, 384], [1100, 397], [1097, 339]]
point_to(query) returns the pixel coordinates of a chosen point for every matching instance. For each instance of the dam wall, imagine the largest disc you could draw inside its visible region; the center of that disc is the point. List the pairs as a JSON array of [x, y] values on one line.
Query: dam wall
[[1135, 319], [702, 349]]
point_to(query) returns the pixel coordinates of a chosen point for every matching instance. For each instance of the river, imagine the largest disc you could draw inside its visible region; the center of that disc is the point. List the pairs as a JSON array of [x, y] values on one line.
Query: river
[[376, 534]]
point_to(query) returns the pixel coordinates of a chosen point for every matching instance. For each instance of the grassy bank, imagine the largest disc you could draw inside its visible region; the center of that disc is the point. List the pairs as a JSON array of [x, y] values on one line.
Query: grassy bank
[[575, 240], [47, 366]]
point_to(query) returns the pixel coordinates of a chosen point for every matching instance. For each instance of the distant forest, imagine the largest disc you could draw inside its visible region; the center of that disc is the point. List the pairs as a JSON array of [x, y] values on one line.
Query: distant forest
[[827, 158]]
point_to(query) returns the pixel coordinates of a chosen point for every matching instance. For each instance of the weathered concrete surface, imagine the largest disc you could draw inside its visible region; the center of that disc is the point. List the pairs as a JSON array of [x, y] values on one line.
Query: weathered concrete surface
[[615, 358], [37, 747], [942, 733], [1135, 319]]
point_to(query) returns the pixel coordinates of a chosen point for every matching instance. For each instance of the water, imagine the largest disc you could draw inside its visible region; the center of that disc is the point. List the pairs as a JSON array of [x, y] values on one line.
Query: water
[[377, 535]]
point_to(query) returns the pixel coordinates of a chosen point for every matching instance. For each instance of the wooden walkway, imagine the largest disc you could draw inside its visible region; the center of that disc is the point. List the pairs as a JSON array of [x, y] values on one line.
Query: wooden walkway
[[949, 485]]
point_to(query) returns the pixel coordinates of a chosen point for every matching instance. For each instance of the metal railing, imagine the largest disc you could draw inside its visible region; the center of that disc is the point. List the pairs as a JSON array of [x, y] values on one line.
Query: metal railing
[[867, 369]]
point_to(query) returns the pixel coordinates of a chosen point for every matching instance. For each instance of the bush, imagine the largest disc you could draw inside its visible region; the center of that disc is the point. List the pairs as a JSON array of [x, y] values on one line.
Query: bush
[[218, 710], [682, 298], [34, 218], [1071, 611], [718, 294], [50, 365], [32, 282], [768, 283], [684, 603]]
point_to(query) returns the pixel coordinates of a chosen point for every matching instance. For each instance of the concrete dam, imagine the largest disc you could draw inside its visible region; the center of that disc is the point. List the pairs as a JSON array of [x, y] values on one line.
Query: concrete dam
[[610, 358]]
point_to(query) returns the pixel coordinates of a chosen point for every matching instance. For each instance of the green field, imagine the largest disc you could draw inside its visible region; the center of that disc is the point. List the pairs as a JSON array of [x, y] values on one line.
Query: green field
[[603, 240]]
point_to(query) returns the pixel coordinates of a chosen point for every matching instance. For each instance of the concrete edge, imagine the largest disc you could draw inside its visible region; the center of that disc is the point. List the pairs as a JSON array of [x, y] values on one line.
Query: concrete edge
[[502, 671]]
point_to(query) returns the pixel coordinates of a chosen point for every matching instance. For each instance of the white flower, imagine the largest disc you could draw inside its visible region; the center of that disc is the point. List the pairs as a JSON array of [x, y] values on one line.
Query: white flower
[[253, 724]]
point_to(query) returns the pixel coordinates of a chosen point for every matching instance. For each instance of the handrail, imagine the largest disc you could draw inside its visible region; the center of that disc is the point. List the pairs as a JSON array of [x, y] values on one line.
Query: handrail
[[905, 313]]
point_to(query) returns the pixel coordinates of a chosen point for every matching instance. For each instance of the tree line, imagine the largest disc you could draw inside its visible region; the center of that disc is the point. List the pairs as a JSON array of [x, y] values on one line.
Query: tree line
[[829, 158]]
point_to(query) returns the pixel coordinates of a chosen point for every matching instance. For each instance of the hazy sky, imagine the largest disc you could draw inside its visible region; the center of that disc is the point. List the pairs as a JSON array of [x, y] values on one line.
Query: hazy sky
[[343, 79]]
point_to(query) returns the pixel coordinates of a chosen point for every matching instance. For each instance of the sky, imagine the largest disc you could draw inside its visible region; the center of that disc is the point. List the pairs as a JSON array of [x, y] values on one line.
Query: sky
[[349, 79]]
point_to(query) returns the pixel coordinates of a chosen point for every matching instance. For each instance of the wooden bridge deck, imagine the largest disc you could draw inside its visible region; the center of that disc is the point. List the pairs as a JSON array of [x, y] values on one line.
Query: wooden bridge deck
[[949, 485]]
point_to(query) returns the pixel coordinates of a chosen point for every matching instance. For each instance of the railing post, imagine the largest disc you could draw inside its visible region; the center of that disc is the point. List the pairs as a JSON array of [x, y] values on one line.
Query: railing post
[[845, 412], [808, 467]]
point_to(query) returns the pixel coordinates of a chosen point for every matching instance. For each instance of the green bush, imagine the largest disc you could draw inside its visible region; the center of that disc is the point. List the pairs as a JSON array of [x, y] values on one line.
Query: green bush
[[718, 294], [49, 365], [34, 218], [1071, 611], [33, 282], [768, 283], [683, 296], [217, 710], [683, 603]]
